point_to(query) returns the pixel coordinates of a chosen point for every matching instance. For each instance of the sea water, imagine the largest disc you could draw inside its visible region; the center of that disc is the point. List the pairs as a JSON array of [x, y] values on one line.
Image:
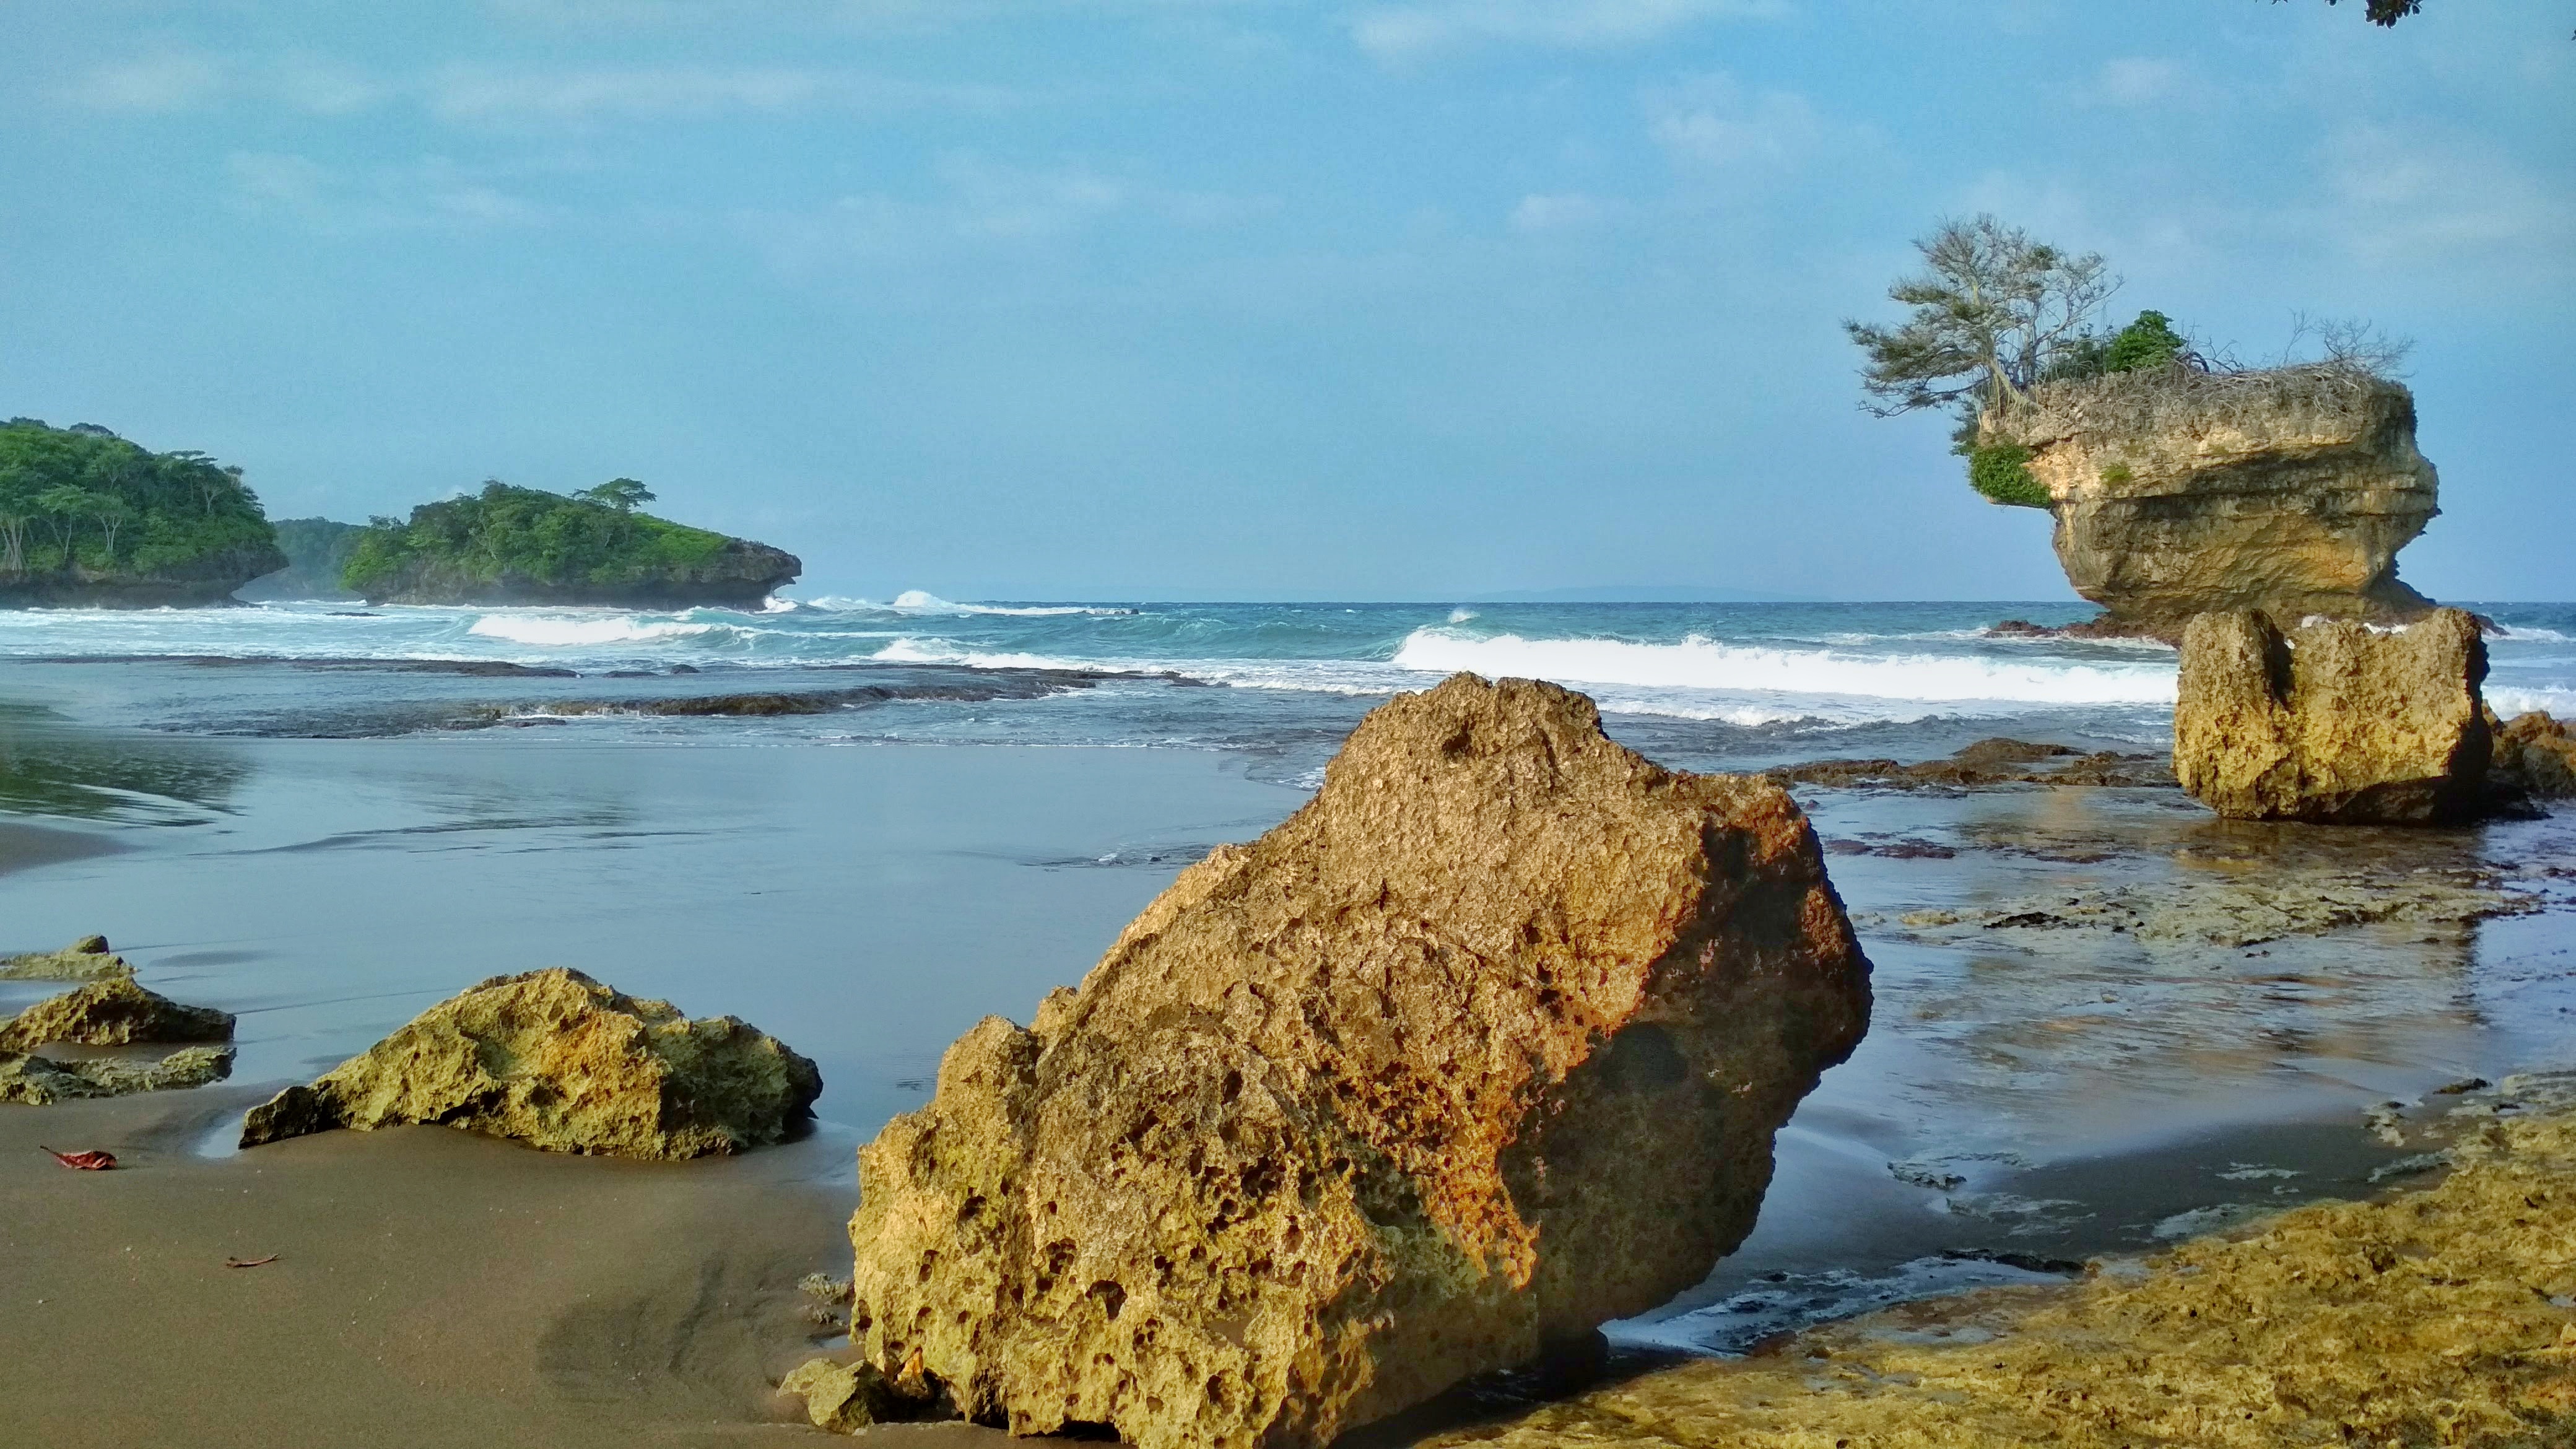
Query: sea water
[[1698, 685]]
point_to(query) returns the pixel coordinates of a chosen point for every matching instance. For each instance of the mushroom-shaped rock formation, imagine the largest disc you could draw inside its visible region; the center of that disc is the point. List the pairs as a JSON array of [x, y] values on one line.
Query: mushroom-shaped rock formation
[[1483, 1046]]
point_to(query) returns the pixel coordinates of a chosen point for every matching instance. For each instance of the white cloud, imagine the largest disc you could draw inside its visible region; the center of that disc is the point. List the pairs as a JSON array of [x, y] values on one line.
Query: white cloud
[[2137, 81], [2399, 198], [169, 81], [434, 192], [1562, 212], [1395, 33], [978, 205], [1712, 123]]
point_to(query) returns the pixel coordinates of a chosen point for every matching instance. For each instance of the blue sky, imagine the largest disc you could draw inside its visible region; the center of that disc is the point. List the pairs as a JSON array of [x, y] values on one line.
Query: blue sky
[[1244, 299]]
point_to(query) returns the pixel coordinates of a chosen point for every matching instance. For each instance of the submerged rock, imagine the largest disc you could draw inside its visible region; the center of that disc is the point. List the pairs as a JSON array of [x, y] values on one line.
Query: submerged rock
[[2179, 492], [112, 1011], [39, 1081], [86, 959], [1482, 1047], [559, 1061], [1988, 762], [2445, 1315], [2332, 721]]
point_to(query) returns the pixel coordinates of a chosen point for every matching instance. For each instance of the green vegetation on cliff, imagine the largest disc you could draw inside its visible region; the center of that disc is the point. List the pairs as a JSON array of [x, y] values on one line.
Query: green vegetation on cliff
[[82, 509], [509, 543]]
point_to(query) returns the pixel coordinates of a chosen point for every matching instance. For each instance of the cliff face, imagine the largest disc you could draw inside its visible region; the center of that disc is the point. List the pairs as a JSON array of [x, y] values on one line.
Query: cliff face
[[740, 573], [2178, 493], [207, 578]]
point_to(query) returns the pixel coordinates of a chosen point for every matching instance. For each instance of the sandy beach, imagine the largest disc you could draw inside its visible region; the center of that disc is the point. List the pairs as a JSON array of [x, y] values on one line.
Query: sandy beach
[[2029, 1097]]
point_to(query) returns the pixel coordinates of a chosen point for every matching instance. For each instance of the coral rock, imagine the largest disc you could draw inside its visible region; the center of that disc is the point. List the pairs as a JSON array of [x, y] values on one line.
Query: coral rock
[[2333, 722], [559, 1061], [39, 1081], [1483, 1046], [112, 1011], [2177, 493], [86, 959], [2536, 752], [842, 1397]]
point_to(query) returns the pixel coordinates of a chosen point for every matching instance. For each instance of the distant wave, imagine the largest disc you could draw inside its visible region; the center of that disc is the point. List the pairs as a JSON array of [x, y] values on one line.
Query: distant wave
[[2532, 635], [1700, 663], [540, 631], [919, 601]]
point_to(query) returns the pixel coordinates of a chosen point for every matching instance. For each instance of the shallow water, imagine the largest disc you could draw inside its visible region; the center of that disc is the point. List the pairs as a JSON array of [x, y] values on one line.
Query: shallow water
[[328, 844]]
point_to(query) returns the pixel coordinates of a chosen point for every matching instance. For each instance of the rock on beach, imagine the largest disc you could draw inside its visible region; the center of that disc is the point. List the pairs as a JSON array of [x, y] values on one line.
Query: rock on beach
[[112, 1011], [1483, 1046], [559, 1061], [2333, 722]]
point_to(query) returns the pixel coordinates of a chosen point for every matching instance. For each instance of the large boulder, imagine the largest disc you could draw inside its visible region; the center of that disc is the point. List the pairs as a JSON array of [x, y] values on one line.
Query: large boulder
[[1483, 1046], [559, 1061], [112, 1011], [2333, 722], [2177, 492]]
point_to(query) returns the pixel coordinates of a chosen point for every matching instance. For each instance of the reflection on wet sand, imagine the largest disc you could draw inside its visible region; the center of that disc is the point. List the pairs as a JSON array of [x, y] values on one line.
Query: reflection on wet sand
[[2104, 1019], [50, 768]]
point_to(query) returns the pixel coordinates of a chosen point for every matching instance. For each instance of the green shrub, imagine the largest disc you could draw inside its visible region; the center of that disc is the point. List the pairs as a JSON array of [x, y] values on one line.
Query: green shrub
[[2117, 473], [2001, 471], [2151, 341]]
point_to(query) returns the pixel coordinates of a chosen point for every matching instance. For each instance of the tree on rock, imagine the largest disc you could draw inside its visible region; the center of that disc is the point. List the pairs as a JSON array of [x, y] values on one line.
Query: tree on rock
[[1993, 311], [2151, 341], [622, 494]]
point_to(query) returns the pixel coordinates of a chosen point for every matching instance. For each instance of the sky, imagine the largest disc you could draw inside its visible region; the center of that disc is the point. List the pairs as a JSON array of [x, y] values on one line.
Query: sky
[[1255, 299]]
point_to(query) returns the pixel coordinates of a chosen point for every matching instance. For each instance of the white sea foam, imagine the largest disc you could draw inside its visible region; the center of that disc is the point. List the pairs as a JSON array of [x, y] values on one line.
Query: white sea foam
[[2509, 701], [554, 632], [1700, 663], [2533, 635]]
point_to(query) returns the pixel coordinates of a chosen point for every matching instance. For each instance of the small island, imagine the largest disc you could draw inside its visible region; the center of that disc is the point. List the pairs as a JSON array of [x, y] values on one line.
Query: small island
[[90, 520], [512, 545], [2180, 481]]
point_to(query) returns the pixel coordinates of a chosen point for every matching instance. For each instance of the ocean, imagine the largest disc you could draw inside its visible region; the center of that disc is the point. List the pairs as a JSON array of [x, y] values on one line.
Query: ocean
[[1703, 686]]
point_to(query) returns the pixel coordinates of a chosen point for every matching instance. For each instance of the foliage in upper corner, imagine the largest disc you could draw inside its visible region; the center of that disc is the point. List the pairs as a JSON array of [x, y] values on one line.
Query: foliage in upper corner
[[2001, 471], [544, 538], [82, 503]]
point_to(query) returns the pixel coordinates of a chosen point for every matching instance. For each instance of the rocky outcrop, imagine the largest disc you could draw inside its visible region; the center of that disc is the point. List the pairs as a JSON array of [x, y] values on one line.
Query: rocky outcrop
[[2333, 722], [86, 959], [194, 582], [2179, 492], [41, 1081], [1983, 765], [739, 574], [1483, 1046], [2535, 753], [559, 1061], [112, 1011], [2441, 1315]]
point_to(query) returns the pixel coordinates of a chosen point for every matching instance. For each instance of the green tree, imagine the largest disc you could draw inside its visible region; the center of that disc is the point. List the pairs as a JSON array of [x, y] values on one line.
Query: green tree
[[62, 507], [112, 513], [1993, 310], [2151, 341], [622, 494], [2386, 12]]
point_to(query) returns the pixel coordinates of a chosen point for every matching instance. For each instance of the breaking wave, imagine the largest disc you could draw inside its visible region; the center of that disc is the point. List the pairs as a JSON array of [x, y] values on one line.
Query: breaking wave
[[1701, 663], [545, 632]]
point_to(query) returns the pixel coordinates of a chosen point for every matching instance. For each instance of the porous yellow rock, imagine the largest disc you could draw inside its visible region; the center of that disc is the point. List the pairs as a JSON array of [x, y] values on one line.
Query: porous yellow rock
[[2179, 492], [2333, 721], [112, 1011], [2538, 753], [841, 1397], [2445, 1316], [86, 959], [39, 1081], [557, 1060], [1482, 1047]]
